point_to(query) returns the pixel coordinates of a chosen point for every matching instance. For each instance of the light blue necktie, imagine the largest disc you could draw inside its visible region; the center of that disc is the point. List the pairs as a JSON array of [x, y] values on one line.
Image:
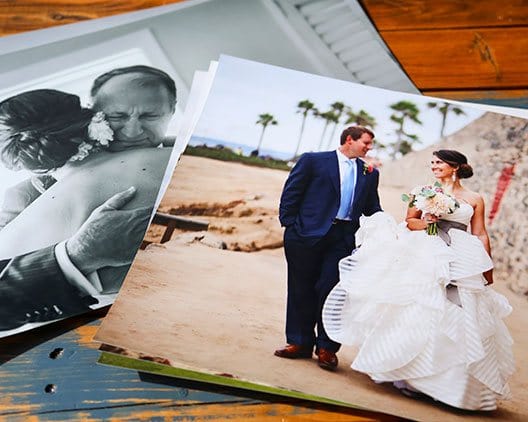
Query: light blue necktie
[[347, 191]]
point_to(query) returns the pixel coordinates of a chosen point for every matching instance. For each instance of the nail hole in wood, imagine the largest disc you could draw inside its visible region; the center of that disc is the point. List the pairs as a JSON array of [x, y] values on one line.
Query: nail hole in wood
[[50, 388], [56, 353]]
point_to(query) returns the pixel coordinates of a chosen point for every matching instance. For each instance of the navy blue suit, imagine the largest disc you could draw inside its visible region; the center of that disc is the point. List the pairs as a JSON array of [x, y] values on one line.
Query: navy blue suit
[[313, 243]]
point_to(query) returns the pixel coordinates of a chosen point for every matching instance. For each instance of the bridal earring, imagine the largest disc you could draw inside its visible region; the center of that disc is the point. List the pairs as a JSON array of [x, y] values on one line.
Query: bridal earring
[[453, 176]]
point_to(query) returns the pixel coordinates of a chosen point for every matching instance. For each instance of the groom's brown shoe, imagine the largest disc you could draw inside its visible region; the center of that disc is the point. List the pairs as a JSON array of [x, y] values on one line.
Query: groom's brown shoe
[[327, 359], [294, 351]]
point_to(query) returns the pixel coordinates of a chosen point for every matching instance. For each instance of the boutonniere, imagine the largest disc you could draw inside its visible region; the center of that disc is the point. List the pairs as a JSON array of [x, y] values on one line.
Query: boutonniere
[[367, 168]]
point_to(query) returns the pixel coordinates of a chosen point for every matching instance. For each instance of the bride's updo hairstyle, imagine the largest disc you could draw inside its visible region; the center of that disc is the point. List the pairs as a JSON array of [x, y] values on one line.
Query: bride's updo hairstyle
[[41, 129], [457, 160]]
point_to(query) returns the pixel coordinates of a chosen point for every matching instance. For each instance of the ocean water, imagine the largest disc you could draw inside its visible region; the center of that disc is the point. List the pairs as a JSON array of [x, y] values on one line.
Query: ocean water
[[246, 150]]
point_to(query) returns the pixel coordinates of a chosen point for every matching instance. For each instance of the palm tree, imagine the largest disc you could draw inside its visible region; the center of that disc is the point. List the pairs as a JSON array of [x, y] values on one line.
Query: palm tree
[[329, 117], [361, 118], [264, 119], [303, 107], [403, 112], [338, 108], [444, 109]]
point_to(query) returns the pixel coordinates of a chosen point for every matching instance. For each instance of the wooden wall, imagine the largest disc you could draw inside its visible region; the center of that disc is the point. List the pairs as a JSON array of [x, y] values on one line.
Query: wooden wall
[[27, 15], [460, 49]]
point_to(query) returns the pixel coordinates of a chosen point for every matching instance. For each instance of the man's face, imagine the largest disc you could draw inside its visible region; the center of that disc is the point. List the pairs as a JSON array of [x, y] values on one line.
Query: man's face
[[138, 115], [360, 147]]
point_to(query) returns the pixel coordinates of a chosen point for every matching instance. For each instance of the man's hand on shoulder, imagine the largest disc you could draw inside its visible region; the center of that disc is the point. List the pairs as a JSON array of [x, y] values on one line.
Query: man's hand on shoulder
[[110, 236]]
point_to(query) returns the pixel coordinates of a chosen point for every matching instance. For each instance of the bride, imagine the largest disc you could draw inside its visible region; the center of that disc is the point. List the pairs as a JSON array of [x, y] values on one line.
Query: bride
[[420, 307], [48, 132]]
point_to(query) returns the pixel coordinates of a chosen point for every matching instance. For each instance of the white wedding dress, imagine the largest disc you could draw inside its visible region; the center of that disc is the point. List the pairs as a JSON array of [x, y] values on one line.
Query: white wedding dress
[[392, 301]]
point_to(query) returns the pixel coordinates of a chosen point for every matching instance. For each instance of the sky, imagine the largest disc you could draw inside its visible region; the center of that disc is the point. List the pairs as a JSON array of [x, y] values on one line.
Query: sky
[[244, 89]]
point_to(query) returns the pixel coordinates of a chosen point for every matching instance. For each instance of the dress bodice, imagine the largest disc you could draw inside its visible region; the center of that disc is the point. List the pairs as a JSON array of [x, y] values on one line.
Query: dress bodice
[[462, 214]]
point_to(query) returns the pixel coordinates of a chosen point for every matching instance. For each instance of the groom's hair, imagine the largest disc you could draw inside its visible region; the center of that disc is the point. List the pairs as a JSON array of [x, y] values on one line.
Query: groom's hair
[[147, 75], [355, 132]]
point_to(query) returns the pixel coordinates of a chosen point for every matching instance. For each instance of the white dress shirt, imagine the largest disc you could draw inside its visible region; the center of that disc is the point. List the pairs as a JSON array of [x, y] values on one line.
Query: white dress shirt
[[343, 168]]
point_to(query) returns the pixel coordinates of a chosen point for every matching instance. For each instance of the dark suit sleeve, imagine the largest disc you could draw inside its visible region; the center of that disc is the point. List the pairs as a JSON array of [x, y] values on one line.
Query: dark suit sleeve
[[293, 192], [373, 201], [33, 289]]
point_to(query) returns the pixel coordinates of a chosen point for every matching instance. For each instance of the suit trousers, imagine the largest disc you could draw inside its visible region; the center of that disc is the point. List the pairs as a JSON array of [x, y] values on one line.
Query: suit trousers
[[312, 274]]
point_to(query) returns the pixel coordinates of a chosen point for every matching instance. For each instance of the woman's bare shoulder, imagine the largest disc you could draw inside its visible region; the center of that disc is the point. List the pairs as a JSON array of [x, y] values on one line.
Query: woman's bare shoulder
[[112, 172], [91, 183], [122, 165], [130, 160], [472, 198]]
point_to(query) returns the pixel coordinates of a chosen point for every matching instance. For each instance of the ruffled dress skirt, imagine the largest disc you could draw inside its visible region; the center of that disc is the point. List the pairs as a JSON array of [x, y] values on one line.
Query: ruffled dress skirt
[[420, 312]]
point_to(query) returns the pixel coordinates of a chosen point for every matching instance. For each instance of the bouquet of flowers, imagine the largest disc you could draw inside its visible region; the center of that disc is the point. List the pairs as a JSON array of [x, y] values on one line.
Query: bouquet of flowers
[[433, 200]]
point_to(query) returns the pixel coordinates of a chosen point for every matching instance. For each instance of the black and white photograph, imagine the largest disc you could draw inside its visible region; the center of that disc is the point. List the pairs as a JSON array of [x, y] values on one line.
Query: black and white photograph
[[81, 177], [393, 284]]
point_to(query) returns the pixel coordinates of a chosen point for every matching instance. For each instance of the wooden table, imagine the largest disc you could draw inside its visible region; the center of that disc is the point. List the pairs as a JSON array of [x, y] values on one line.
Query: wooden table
[[51, 374]]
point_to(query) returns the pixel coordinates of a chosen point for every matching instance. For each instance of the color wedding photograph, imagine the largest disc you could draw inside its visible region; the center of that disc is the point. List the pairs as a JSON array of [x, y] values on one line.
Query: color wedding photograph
[[369, 285]]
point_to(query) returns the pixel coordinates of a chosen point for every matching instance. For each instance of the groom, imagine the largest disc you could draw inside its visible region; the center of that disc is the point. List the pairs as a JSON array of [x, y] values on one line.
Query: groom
[[323, 198]]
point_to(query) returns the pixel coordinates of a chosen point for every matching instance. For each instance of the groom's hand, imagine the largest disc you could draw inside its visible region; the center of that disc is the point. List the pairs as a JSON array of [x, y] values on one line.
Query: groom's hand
[[110, 236]]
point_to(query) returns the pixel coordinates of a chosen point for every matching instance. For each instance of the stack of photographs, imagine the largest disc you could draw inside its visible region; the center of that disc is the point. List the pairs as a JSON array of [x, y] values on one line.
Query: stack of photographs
[[141, 165], [69, 59], [209, 301]]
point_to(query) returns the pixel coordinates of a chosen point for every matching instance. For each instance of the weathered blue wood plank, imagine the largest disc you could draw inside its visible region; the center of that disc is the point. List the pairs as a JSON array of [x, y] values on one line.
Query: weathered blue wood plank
[[51, 374], [32, 382]]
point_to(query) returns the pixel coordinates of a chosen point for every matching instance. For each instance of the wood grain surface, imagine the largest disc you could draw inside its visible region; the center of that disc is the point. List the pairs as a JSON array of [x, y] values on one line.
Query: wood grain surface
[[459, 49], [452, 48], [390, 15], [462, 49], [51, 374], [28, 15], [482, 59]]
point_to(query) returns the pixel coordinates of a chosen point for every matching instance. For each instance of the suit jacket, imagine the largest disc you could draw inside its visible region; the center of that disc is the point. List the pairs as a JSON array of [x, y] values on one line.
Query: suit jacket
[[32, 286], [33, 289], [311, 195]]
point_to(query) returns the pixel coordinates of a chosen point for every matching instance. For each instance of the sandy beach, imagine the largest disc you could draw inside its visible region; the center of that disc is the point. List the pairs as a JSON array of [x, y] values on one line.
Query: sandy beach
[[223, 310]]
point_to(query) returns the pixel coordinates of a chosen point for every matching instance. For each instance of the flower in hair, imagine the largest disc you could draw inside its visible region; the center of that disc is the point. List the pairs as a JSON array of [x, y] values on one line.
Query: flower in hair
[[99, 130], [82, 152], [100, 134]]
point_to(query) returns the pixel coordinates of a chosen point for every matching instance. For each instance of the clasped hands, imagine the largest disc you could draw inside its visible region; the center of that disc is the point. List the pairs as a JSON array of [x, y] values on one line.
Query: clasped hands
[[429, 218]]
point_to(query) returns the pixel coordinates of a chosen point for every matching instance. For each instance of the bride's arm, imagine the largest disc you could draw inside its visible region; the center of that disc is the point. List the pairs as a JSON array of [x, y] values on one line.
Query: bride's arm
[[478, 228], [414, 219]]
